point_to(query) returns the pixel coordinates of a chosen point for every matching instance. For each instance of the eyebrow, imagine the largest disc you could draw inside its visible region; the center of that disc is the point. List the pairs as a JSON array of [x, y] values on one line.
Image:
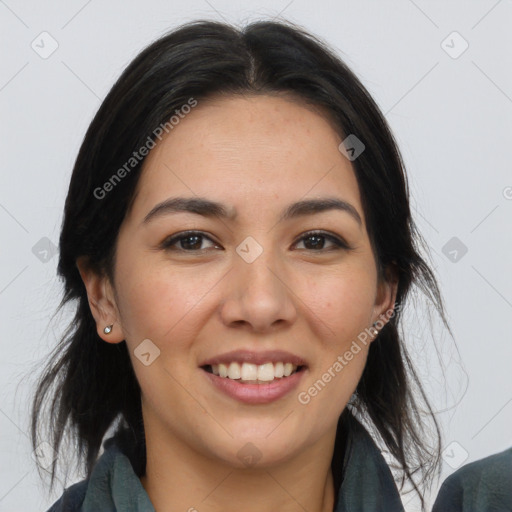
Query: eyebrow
[[208, 208]]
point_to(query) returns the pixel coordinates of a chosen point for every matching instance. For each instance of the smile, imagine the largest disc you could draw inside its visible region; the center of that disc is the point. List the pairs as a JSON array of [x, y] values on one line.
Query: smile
[[251, 373], [247, 389]]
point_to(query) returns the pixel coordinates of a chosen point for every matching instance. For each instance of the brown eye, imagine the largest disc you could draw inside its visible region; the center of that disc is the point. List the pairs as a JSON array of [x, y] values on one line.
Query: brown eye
[[316, 240], [189, 241]]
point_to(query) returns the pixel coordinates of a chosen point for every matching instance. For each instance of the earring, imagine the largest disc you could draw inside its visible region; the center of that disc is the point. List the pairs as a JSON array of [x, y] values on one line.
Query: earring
[[108, 329], [375, 330]]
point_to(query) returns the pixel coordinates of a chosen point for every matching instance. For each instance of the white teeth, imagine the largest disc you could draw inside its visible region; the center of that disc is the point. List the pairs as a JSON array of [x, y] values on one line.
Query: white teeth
[[234, 371], [251, 372], [223, 370], [288, 369], [266, 372]]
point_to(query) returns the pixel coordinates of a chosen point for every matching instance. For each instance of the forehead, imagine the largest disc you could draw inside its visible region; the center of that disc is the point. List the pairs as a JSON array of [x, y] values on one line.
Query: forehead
[[242, 150]]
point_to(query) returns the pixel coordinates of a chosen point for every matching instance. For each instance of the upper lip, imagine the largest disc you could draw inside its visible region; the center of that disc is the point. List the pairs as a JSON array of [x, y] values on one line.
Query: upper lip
[[258, 358]]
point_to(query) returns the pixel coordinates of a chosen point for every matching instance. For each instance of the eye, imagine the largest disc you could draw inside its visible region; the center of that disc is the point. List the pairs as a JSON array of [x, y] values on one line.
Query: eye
[[316, 241], [188, 241], [192, 241]]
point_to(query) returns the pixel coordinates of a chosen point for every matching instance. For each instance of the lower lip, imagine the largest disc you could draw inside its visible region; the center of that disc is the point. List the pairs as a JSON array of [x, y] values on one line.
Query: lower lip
[[256, 393]]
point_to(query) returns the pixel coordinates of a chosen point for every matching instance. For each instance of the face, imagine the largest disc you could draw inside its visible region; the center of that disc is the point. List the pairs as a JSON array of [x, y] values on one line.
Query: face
[[264, 286]]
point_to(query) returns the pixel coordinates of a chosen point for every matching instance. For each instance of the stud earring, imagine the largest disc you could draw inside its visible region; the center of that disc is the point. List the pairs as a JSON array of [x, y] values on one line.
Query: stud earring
[[108, 329], [375, 330]]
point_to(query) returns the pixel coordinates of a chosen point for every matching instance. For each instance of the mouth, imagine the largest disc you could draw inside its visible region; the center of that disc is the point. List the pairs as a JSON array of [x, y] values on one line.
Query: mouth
[[249, 373], [253, 377]]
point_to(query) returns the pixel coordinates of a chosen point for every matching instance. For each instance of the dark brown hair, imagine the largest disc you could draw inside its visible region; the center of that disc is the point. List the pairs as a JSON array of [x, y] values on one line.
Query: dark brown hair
[[89, 384]]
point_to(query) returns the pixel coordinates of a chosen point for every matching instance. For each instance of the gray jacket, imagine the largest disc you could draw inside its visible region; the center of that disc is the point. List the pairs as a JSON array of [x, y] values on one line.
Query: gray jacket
[[481, 486]]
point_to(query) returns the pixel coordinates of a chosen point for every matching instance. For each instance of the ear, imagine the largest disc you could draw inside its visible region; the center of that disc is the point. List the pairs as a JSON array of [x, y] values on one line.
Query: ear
[[385, 297], [101, 301]]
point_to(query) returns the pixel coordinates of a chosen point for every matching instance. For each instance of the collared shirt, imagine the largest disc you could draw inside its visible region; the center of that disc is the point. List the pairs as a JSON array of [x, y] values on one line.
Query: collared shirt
[[367, 484]]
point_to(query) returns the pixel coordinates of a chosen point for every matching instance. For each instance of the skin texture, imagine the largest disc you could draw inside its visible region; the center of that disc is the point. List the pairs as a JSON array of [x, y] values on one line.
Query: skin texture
[[255, 154]]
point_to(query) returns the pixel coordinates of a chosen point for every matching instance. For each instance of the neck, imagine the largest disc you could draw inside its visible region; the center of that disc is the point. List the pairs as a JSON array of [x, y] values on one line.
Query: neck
[[179, 478]]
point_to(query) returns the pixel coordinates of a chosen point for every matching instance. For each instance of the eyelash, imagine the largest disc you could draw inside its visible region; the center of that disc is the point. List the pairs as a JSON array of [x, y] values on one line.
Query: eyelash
[[339, 243]]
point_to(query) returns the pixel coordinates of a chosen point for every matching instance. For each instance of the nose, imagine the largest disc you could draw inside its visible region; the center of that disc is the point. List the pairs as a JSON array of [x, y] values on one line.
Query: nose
[[259, 296]]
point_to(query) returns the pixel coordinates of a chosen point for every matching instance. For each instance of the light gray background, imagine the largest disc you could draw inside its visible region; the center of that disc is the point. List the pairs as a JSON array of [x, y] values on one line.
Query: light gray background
[[452, 118]]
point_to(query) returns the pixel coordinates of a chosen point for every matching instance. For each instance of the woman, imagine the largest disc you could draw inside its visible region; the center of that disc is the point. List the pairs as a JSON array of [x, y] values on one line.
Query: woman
[[238, 243]]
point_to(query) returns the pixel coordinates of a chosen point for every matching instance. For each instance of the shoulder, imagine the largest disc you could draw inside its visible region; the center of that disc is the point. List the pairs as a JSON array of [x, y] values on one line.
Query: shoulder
[[112, 465], [71, 499], [483, 485], [368, 484]]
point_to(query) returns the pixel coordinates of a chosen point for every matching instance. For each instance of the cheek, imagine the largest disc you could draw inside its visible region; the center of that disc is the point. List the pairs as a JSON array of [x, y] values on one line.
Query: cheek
[[340, 301], [152, 300]]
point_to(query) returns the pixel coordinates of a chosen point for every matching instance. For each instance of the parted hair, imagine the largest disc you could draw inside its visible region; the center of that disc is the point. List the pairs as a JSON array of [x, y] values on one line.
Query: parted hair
[[87, 385]]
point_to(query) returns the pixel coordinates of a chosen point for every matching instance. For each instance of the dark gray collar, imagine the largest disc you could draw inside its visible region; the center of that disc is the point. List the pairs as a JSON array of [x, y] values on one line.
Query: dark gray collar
[[367, 484], [366, 481]]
